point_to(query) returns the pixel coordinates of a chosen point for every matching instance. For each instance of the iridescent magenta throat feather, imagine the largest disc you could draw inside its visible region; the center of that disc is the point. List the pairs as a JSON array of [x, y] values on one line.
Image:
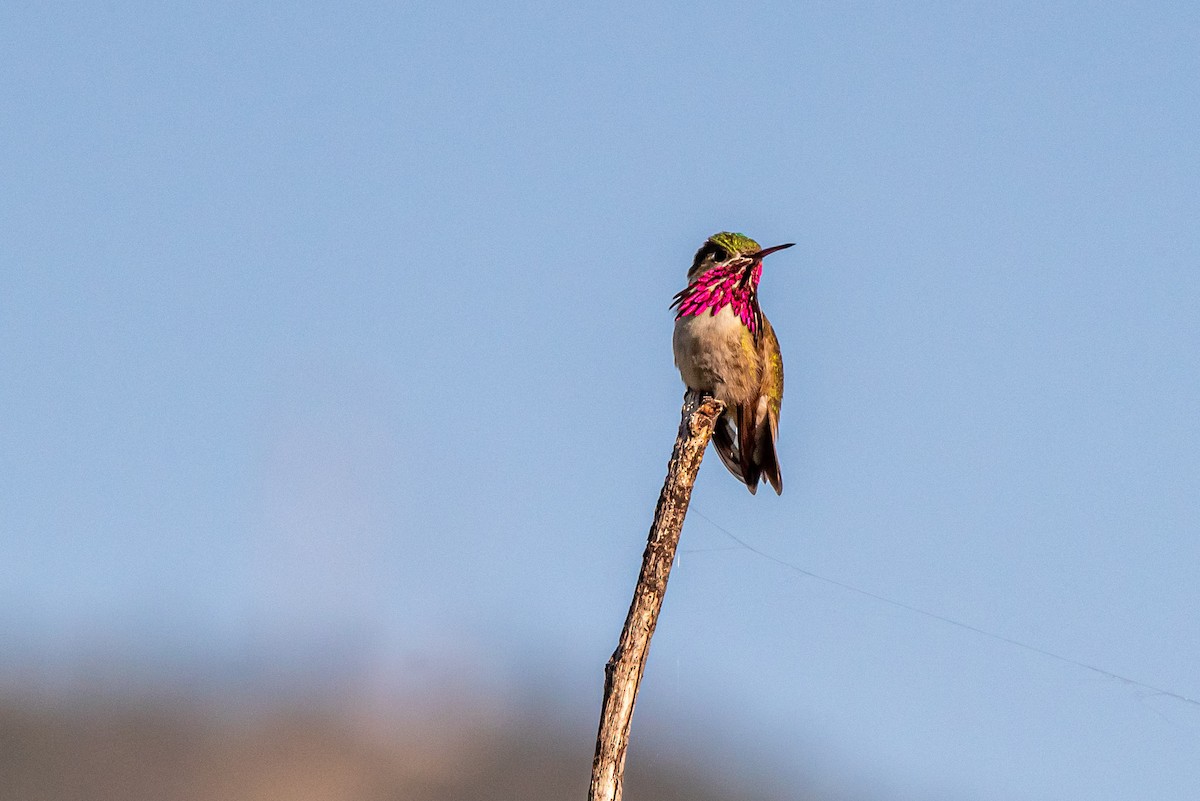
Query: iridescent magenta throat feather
[[721, 287]]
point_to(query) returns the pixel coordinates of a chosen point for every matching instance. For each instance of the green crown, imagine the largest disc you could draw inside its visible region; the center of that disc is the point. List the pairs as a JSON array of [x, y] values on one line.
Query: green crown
[[735, 244]]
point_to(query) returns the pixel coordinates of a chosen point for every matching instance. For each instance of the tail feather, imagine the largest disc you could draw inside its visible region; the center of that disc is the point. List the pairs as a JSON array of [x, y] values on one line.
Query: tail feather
[[751, 470], [723, 440], [765, 454], [748, 451], [747, 448]]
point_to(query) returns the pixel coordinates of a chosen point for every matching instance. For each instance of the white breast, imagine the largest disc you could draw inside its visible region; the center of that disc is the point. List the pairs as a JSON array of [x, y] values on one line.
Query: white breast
[[709, 349]]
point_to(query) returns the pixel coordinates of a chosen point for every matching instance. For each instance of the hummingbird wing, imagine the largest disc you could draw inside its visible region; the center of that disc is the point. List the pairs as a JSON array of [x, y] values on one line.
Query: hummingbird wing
[[766, 430]]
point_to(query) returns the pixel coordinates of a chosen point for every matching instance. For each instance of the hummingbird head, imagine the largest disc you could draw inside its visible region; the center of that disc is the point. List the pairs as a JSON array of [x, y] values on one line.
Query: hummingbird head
[[733, 252], [724, 273]]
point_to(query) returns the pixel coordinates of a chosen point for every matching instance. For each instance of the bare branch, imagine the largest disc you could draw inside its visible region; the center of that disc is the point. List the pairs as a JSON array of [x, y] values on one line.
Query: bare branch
[[624, 671]]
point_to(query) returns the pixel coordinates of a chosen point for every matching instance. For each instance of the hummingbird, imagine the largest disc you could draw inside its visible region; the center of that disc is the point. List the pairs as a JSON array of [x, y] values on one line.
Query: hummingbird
[[726, 348]]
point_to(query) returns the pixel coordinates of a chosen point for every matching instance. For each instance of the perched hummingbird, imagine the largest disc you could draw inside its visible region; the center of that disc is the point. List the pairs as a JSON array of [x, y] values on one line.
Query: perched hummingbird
[[726, 348]]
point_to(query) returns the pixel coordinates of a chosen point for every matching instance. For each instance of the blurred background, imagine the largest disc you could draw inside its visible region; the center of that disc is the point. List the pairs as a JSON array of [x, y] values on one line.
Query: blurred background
[[338, 393]]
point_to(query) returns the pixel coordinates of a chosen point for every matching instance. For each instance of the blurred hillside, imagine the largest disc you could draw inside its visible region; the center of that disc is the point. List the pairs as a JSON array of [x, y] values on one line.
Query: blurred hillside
[[113, 747]]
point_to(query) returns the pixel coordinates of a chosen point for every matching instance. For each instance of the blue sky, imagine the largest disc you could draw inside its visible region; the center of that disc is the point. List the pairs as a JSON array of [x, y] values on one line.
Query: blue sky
[[346, 329]]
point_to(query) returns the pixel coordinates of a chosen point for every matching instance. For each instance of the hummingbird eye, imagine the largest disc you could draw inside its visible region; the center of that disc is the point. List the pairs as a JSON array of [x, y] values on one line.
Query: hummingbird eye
[[709, 253]]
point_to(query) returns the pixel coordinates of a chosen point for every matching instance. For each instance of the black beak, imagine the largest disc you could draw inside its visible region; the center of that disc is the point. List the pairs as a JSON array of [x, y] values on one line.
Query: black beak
[[768, 251], [755, 258]]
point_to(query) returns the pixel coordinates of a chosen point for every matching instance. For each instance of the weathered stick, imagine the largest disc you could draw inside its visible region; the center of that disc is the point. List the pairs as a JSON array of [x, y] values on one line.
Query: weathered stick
[[623, 673]]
